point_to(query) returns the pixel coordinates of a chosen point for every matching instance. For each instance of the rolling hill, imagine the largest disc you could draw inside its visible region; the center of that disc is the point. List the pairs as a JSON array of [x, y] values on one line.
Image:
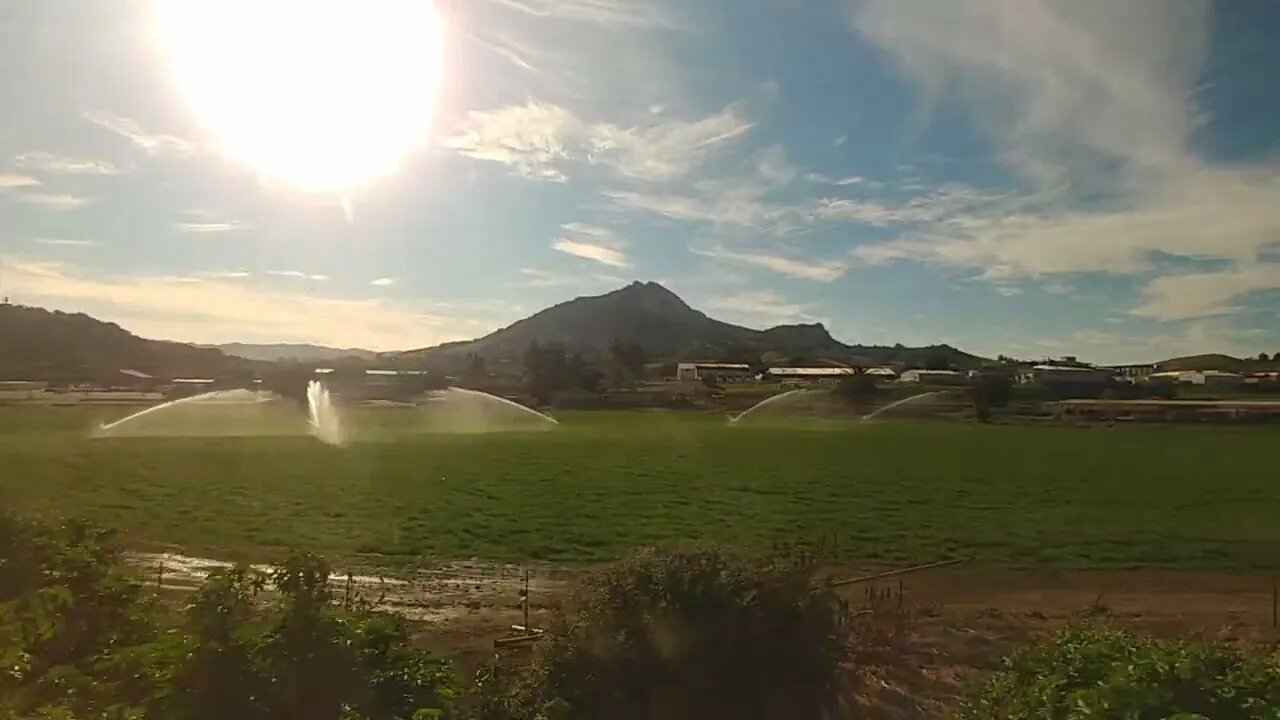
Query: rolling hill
[[49, 345], [668, 329], [295, 352]]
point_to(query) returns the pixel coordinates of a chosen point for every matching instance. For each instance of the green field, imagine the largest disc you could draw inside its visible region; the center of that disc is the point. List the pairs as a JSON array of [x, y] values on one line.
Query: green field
[[605, 482]]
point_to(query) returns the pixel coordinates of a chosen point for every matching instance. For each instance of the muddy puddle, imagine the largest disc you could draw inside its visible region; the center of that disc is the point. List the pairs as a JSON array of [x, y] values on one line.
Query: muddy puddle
[[438, 594]]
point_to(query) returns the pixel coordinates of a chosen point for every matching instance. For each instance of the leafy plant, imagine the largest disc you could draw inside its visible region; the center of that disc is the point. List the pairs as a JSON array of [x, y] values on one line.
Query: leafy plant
[[77, 640], [686, 634], [1107, 673]]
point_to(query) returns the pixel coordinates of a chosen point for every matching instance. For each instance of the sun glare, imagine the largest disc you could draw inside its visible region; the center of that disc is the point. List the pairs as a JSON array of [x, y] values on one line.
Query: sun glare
[[322, 95]]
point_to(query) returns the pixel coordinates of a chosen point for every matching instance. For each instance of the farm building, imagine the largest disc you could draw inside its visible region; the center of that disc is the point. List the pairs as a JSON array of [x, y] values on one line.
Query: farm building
[[933, 377], [1207, 378], [1130, 372], [882, 373], [713, 371], [806, 373], [1065, 373]]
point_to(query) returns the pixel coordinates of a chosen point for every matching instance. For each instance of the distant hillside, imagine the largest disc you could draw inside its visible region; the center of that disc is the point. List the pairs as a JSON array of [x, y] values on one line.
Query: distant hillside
[[47, 345], [297, 352], [1212, 361], [668, 329]]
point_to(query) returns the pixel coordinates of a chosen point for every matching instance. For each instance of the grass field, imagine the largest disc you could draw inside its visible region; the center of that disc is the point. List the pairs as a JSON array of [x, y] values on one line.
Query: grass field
[[605, 482]]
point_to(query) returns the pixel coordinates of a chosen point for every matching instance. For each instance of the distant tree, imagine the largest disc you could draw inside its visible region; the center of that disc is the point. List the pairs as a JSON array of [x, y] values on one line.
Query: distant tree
[[937, 359], [628, 361], [991, 391], [579, 373], [857, 389], [1262, 357], [476, 365], [544, 370]]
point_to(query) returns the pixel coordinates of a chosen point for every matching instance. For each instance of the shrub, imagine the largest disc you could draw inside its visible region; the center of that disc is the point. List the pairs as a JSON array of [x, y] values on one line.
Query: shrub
[[1105, 673], [696, 634], [77, 640]]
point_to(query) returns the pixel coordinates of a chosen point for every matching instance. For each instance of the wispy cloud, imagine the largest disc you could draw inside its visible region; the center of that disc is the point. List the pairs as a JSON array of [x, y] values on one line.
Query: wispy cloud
[[64, 242], [599, 253], [383, 282], [57, 202], [214, 311], [1083, 100], [1196, 295], [51, 163], [760, 308], [819, 270], [298, 274], [205, 227], [593, 243], [608, 13], [9, 181], [838, 181], [154, 144], [228, 274], [541, 141]]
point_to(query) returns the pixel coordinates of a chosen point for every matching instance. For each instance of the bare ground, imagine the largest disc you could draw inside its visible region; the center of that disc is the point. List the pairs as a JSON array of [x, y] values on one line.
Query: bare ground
[[959, 623]]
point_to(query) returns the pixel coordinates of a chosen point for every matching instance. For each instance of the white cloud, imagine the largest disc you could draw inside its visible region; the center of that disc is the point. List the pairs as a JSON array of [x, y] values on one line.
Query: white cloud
[[760, 308], [205, 227], [383, 282], [598, 253], [228, 274], [819, 270], [51, 163], [57, 202], [539, 278], [540, 141], [17, 181], [214, 311], [154, 144], [665, 151], [1196, 295], [1083, 100], [838, 181], [592, 231], [529, 138], [65, 242], [298, 274], [609, 13]]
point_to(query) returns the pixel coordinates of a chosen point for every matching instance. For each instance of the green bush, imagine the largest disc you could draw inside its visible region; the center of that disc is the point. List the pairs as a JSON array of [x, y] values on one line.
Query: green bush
[[677, 635], [1106, 673], [78, 640]]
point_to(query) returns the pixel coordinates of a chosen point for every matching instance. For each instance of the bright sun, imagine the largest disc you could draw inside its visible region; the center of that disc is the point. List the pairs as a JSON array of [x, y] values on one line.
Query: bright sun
[[320, 94]]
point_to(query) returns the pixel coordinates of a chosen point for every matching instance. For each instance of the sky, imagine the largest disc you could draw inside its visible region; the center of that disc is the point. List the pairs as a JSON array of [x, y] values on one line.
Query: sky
[[1023, 177]]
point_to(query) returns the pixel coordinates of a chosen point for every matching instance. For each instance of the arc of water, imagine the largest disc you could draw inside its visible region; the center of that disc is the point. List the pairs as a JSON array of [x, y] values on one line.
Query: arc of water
[[766, 402], [904, 401], [478, 393], [257, 398]]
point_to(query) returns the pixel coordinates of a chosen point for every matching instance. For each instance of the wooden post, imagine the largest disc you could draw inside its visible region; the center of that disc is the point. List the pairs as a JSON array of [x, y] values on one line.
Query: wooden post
[[526, 599], [1275, 600], [159, 574]]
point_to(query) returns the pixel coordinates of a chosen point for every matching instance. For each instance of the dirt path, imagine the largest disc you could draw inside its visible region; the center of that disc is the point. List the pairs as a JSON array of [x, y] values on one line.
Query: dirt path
[[961, 622]]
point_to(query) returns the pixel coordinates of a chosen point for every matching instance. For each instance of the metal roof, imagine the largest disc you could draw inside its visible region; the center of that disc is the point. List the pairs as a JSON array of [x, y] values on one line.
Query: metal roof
[[815, 371]]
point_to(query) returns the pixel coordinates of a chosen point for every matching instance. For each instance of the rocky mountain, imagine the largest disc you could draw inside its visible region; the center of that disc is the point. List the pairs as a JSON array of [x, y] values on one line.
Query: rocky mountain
[[668, 329], [294, 352], [39, 344]]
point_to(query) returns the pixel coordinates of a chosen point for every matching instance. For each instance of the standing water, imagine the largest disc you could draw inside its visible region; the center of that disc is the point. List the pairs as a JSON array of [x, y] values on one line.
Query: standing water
[[322, 414], [904, 401]]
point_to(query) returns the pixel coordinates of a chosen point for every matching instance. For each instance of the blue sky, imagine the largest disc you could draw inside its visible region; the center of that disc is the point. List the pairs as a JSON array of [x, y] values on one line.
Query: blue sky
[[1010, 176]]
